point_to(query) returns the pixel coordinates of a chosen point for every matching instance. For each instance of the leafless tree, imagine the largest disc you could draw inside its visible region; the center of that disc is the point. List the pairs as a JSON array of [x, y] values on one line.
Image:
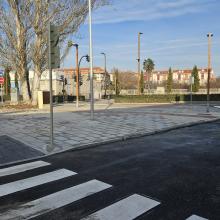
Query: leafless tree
[[14, 32], [28, 21]]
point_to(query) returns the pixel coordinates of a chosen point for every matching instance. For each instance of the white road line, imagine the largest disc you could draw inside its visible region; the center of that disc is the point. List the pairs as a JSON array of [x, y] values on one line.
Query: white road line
[[195, 217], [126, 209], [55, 200], [19, 185], [22, 167]]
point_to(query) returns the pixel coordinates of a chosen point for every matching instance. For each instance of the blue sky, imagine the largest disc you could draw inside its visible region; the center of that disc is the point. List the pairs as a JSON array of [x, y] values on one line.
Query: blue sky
[[174, 34]]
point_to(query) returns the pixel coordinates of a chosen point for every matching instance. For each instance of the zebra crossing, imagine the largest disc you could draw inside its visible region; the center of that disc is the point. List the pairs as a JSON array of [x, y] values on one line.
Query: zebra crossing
[[127, 208]]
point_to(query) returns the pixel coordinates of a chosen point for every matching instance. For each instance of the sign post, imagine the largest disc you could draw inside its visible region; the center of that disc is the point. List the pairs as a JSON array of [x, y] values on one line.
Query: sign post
[[191, 85], [2, 80], [53, 63], [2, 97]]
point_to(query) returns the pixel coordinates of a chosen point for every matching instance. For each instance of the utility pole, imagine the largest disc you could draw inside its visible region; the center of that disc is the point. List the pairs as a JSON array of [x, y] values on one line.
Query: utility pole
[[77, 75], [91, 62], [139, 61], [209, 35]]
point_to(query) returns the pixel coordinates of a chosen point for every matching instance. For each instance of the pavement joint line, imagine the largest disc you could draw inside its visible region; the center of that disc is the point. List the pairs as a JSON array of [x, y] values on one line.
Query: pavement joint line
[[128, 137]]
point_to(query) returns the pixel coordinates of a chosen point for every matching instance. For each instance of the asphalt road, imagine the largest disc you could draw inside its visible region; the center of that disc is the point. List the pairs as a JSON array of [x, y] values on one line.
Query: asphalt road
[[179, 169], [12, 150]]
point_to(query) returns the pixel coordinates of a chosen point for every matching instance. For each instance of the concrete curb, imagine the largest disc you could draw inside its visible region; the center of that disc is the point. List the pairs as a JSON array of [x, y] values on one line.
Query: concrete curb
[[98, 144]]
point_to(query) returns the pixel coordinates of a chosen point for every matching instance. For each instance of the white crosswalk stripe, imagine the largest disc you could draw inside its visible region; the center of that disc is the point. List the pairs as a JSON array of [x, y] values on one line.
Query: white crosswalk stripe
[[126, 209], [23, 184], [22, 168], [55, 200], [195, 217]]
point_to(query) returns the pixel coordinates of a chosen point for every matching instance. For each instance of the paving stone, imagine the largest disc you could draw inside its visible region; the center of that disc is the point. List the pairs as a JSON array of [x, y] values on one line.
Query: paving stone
[[108, 125]]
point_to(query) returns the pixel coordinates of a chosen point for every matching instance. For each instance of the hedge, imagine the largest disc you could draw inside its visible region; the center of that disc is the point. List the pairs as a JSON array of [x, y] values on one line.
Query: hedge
[[8, 98], [59, 98], [166, 98]]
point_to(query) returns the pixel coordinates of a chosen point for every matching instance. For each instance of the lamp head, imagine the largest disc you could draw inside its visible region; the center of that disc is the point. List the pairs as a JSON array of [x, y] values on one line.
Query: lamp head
[[70, 44], [210, 35]]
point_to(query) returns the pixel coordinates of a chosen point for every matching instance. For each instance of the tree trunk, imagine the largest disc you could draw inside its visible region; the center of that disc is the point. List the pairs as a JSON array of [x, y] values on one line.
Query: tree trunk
[[24, 92], [28, 84], [35, 86]]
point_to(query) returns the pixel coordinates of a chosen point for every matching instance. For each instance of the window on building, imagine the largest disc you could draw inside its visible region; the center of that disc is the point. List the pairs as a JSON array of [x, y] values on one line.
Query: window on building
[[158, 77], [179, 76], [202, 76]]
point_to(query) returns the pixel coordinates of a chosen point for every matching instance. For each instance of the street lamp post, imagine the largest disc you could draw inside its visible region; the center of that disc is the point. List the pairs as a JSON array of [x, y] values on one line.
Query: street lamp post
[[139, 61], [209, 35], [91, 62], [77, 75], [105, 74]]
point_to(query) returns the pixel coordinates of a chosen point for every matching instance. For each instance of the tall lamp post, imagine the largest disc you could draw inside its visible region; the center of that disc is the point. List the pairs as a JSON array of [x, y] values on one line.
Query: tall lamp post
[[139, 60], [105, 74], [209, 35], [91, 62], [70, 43]]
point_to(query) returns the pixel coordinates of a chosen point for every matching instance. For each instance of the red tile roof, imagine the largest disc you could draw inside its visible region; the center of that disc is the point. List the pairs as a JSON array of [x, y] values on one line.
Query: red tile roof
[[83, 70]]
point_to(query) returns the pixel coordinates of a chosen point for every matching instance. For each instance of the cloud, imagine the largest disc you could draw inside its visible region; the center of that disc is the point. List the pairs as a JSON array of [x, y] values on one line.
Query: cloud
[[144, 10]]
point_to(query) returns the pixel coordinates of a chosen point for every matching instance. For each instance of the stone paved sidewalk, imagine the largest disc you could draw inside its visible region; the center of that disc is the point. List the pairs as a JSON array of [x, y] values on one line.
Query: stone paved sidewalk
[[75, 129]]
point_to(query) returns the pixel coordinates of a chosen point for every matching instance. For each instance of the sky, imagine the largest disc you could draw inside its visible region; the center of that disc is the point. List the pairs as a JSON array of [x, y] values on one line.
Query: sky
[[174, 34]]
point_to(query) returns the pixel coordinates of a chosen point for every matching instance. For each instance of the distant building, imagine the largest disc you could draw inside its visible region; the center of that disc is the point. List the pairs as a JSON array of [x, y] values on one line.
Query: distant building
[[98, 76], [70, 88], [179, 76], [98, 72]]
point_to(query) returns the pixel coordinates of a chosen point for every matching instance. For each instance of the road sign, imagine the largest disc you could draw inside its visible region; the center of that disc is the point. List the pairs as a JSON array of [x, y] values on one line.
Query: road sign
[[2, 80], [191, 80], [54, 47]]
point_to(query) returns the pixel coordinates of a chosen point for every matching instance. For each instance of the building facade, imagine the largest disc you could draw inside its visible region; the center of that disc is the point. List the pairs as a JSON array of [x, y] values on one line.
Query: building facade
[[179, 76], [98, 82]]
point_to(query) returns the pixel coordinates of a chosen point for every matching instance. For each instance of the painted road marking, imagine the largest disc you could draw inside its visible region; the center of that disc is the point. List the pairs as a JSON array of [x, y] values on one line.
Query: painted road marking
[[126, 209], [22, 168], [19, 185], [195, 217], [55, 200]]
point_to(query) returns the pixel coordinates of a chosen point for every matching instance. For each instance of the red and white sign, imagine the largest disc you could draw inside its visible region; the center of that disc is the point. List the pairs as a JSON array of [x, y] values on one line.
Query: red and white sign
[[2, 80]]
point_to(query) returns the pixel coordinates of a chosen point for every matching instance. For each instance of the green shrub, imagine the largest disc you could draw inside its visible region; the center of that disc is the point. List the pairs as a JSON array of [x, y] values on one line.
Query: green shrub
[[166, 98]]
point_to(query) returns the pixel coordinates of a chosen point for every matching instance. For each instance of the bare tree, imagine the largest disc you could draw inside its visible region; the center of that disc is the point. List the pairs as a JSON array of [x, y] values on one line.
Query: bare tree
[[68, 15], [14, 32], [28, 21]]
